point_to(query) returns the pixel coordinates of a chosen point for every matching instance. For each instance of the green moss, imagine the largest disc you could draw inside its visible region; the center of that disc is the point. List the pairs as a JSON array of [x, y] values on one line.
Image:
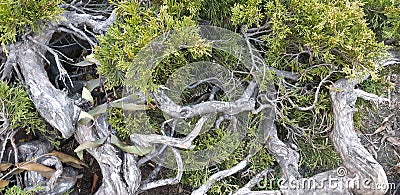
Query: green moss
[[20, 16]]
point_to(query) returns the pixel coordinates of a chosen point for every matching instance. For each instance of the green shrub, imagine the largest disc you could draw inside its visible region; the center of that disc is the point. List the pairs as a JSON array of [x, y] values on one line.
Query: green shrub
[[383, 16], [18, 17], [21, 113]]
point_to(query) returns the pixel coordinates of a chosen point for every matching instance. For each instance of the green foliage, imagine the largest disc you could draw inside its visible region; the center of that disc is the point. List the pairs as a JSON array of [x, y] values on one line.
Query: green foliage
[[125, 125], [258, 162], [318, 158], [383, 17], [315, 38], [218, 12], [328, 32], [16, 190], [138, 26], [248, 13], [20, 16], [19, 110], [21, 113]]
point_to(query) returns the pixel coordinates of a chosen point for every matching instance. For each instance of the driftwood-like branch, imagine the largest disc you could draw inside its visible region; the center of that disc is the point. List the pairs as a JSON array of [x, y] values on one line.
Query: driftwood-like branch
[[356, 159], [369, 96], [218, 176], [170, 181], [99, 24], [254, 181], [361, 173], [53, 105], [245, 103], [184, 143], [120, 176]]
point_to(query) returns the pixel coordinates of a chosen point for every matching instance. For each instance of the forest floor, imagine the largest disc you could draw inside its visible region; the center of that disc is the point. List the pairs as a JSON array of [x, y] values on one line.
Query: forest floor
[[381, 135]]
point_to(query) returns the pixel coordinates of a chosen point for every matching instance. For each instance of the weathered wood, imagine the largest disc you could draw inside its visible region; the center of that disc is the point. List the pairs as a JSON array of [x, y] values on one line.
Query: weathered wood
[[120, 175]]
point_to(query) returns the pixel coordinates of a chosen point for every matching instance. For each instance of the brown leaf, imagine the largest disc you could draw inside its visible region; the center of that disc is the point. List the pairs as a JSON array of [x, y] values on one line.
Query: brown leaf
[[4, 166], [95, 179], [394, 141], [65, 158], [3, 183], [397, 168], [46, 172]]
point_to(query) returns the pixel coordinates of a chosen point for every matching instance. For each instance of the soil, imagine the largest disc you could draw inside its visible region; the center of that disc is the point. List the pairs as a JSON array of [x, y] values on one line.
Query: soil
[[87, 184], [385, 145]]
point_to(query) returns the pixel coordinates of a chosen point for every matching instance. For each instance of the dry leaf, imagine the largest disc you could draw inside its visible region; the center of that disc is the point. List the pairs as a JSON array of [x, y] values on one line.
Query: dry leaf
[[45, 171], [394, 141], [84, 118], [83, 64], [95, 179], [87, 95], [65, 158], [3, 183], [4, 166], [92, 84]]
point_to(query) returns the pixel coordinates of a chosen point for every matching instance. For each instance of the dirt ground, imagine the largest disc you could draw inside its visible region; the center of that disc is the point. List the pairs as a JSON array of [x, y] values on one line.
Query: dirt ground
[[382, 136]]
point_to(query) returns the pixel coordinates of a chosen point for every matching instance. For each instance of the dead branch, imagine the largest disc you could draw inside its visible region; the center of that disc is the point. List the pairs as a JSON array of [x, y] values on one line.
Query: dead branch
[[184, 143], [170, 181], [357, 160], [218, 176], [244, 103], [63, 73], [120, 176], [53, 105]]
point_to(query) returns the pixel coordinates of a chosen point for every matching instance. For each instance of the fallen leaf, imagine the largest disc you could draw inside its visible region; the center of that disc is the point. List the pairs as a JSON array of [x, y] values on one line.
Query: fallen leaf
[[84, 118], [89, 144], [45, 171], [380, 129], [87, 95], [3, 183], [92, 59], [4, 166], [129, 106], [98, 110], [95, 179], [91, 84], [83, 64], [65, 158], [101, 109], [139, 150]]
